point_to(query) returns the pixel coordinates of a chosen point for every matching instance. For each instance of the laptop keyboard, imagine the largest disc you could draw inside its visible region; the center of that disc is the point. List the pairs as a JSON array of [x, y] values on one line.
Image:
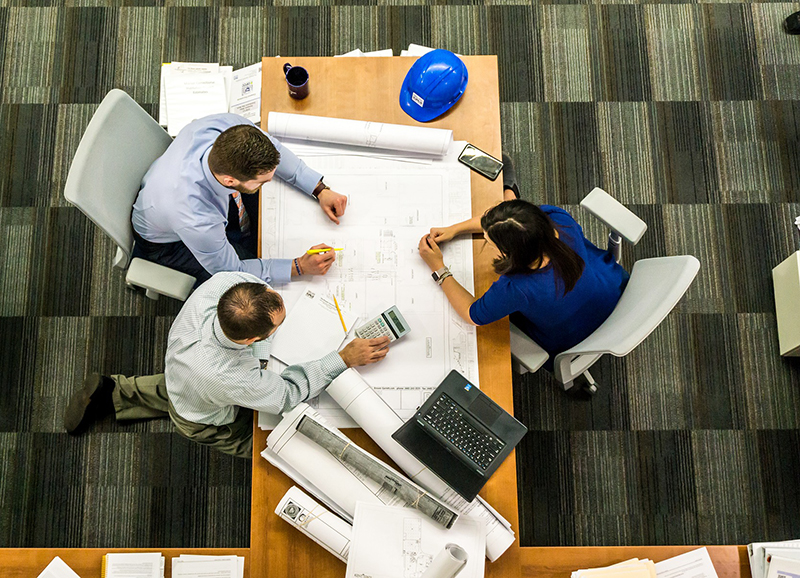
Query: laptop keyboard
[[447, 418]]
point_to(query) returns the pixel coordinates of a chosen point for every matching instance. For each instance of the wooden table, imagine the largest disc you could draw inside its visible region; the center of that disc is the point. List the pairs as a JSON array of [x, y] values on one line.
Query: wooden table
[[368, 89]]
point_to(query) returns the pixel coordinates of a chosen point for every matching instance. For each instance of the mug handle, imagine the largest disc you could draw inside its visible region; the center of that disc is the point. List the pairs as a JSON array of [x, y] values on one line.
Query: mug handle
[[286, 68]]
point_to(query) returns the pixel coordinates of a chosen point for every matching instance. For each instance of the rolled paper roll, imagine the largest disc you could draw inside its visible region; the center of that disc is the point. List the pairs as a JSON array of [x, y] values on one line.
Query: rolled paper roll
[[448, 562]]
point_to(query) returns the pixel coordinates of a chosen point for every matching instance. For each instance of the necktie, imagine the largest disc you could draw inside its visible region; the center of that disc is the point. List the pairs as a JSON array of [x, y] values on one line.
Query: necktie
[[244, 220]]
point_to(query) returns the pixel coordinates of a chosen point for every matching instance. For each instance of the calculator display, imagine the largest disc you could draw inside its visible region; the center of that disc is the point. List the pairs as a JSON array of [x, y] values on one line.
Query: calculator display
[[396, 321]]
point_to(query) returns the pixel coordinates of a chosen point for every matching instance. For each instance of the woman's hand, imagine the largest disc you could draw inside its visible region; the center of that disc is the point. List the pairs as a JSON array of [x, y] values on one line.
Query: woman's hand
[[443, 234], [430, 253]]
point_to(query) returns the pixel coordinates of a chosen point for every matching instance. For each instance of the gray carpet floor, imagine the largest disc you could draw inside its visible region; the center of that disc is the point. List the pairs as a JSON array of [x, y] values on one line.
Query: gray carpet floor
[[687, 112]]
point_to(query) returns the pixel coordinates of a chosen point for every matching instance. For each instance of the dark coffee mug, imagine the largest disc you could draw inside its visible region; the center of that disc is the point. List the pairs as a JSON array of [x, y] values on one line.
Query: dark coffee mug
[[297, 79]]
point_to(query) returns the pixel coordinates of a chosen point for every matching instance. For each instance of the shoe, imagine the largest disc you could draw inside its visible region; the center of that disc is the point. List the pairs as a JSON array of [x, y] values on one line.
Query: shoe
[[509, 176], [90, 403]]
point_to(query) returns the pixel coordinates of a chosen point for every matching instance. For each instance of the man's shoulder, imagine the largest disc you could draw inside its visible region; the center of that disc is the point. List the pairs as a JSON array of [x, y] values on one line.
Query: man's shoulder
[[215, 122]]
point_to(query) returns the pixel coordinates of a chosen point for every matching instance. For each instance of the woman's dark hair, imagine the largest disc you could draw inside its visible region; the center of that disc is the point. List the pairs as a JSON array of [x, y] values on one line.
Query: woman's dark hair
[[246, 309], [524, 234]]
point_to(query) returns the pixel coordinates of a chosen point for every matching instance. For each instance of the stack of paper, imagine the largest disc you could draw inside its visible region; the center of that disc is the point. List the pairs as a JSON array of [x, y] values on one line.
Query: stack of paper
[[774, 559], [134, 565], [191, 90], [694, 564], [195, 566]]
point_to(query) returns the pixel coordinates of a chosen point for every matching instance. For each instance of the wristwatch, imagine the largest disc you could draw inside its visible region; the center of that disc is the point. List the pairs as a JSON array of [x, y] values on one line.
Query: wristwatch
[[319, 188], [442, 274]]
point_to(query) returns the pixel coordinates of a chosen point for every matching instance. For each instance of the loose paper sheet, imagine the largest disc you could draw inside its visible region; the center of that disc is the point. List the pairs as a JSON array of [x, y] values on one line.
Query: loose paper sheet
[[57, 568], [390, 542], [312, 329], [694, 564]]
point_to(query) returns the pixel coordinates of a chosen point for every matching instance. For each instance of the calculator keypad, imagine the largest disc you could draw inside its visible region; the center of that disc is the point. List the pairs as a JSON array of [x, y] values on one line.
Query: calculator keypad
[[375, 328]]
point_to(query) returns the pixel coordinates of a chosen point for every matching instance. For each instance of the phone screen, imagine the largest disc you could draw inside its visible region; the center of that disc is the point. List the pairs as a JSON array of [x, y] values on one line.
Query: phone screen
[[480, 161]]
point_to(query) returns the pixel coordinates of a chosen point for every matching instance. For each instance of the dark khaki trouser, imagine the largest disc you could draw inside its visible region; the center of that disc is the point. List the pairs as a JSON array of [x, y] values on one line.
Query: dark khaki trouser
[[145, 397]]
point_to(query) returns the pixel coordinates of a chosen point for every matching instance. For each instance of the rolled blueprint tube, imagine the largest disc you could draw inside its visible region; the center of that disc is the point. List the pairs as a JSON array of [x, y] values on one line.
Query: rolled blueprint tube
[[374, 469], [377, 135], [316, 521], [379, 421], [447, 563]]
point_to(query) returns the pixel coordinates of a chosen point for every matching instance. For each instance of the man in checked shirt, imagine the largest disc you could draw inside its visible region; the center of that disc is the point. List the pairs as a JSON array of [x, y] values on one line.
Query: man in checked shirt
[[215, 369]]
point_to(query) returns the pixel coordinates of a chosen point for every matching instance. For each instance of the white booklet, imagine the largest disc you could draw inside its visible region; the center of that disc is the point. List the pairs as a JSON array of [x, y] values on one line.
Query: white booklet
[[133, 565], [312, 329]]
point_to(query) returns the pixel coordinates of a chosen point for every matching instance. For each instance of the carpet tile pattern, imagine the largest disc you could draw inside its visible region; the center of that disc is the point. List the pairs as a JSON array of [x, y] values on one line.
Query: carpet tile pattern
[[686, 111]]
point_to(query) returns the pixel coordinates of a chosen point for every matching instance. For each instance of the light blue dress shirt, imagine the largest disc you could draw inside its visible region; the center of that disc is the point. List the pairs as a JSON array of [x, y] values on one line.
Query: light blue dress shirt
[[180, 200]]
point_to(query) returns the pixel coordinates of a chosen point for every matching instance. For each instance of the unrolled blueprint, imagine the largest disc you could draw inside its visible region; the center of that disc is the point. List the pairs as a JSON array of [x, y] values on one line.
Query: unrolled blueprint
[[392, 203]]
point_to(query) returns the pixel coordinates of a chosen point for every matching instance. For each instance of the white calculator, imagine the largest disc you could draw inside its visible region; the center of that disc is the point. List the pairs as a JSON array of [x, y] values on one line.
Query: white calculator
[[389, 323]]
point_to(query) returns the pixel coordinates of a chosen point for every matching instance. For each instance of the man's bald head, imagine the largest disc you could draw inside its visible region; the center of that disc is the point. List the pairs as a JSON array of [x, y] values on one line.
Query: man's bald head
[[249, 311]]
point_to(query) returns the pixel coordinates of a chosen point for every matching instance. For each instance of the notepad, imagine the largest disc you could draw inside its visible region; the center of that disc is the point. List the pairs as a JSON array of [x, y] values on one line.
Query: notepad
[[312, 329]]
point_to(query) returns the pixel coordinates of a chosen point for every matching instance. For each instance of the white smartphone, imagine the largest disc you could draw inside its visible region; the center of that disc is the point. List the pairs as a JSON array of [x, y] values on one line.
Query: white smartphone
[[481, 162]]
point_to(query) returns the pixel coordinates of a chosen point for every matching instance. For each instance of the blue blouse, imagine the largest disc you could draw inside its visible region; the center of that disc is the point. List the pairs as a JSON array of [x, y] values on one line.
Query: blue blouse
[[553, 320]]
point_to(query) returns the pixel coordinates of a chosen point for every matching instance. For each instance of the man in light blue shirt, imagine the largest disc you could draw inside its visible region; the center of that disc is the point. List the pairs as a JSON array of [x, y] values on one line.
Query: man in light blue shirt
[[197, 210]]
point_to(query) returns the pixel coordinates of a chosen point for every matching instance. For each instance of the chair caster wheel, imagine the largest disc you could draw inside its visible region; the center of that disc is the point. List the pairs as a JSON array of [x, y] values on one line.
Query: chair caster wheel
[[590, 388]]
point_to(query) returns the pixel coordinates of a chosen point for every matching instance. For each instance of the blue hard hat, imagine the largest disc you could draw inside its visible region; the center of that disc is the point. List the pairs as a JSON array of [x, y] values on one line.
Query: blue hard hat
[[433, 84]]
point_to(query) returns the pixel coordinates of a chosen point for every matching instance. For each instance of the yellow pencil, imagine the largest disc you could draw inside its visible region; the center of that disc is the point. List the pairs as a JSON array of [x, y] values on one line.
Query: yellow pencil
[[339, 311], [316, 251]]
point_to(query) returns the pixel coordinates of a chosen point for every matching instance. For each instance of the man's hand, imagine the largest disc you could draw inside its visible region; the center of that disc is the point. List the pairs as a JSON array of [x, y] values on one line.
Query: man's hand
[[333, 204], [317, 264], [364, 351], [430, 253]]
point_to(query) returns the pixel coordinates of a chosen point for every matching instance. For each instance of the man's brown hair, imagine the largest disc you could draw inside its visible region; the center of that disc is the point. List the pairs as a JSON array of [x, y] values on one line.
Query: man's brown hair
[[243, 152], [246, 310]]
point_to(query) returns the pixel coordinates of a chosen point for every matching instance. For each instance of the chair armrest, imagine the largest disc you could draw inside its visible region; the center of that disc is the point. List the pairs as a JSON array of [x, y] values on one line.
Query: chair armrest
[[615, 215], [526, 351], [160, 279]]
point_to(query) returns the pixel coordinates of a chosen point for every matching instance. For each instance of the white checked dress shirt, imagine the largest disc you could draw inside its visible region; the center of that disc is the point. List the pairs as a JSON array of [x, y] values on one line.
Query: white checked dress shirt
[[209, 376]]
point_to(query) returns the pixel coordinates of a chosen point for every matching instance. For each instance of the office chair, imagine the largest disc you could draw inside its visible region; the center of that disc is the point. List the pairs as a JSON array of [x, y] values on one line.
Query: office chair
[[119, 145], [655, 287]]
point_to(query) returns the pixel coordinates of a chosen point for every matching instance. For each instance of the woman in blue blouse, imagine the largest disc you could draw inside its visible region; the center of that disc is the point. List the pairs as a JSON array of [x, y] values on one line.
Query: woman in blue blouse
[[554, 283]]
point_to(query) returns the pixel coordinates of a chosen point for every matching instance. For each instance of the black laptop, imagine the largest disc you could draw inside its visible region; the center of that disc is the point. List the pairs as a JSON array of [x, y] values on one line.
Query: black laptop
[[461, 435]]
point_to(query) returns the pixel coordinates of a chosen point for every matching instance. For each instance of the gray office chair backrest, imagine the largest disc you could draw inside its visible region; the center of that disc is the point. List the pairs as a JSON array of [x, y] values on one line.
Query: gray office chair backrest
[[655, 287], [119, 145]]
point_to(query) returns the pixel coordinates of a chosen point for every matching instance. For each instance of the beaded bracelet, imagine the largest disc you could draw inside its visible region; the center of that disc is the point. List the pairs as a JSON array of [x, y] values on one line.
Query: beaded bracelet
[[297, 267]]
